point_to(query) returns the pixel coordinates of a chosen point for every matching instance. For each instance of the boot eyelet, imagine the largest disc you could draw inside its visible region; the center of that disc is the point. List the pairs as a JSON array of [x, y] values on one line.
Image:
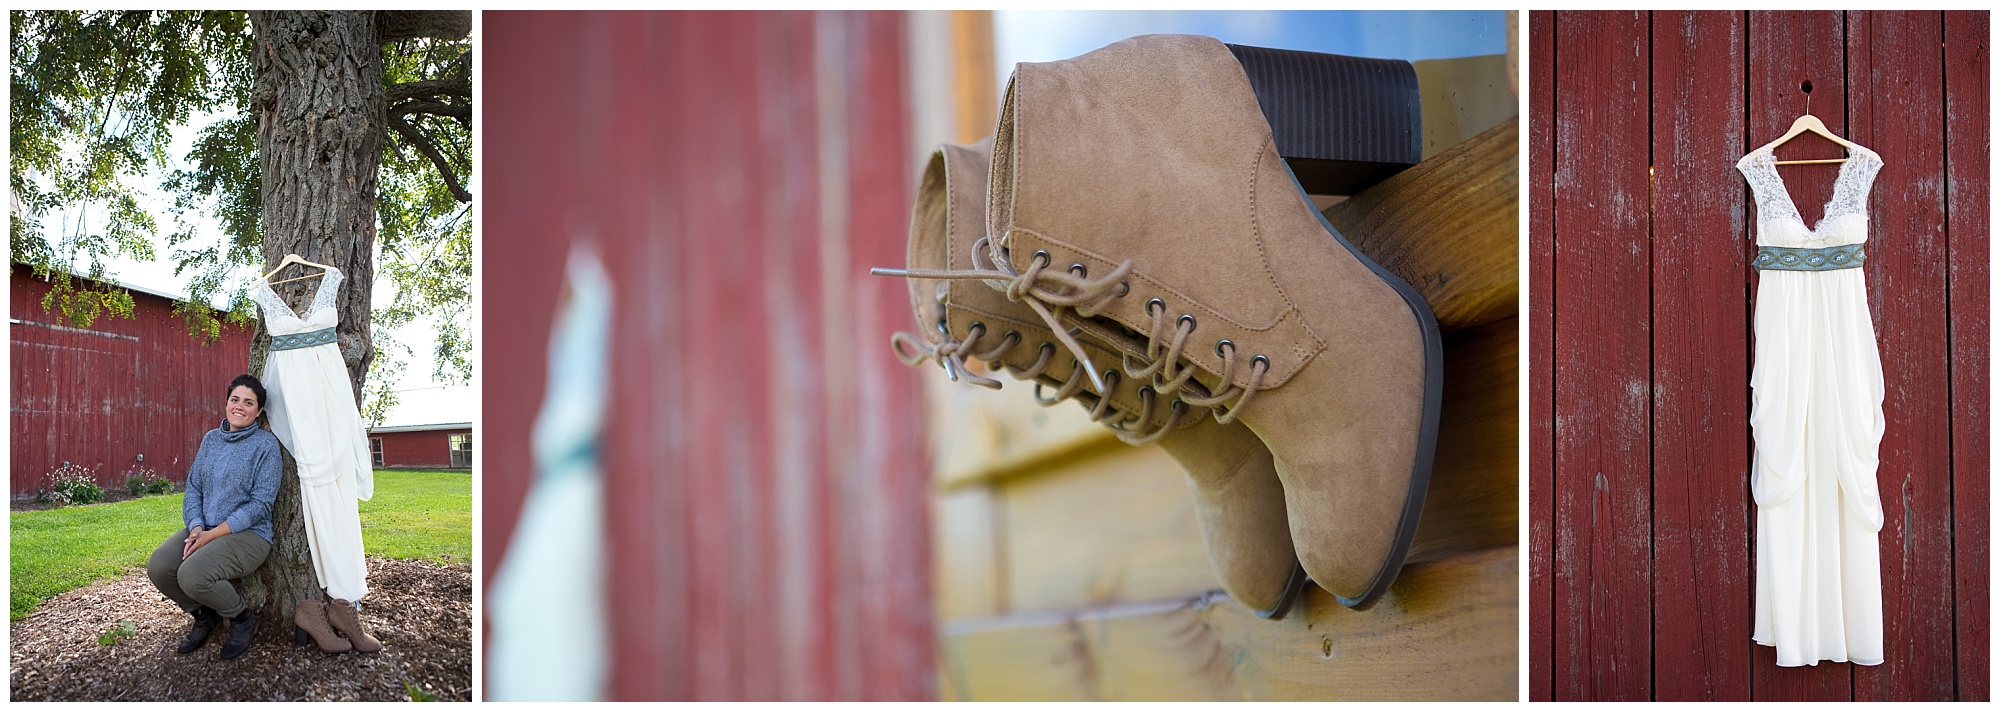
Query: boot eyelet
[[1079, 270], [1222, 343], [1124, 287], [1188, 320], [1043, 257], [976, 326], [1154, 302], [1011, 334], [1260, 357]]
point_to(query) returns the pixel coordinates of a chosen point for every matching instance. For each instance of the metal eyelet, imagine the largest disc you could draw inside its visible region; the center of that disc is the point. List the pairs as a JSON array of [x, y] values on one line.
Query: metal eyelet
[[1260, 357], [1124, 287], [1079, 270], [1222, 343], [978, 326], [1187, 319], [1154, 302], [1011, 334], [1043, 255]]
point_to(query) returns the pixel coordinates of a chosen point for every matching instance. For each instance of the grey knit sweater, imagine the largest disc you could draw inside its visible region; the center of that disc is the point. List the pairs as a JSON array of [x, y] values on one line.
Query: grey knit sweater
[[234, 479]]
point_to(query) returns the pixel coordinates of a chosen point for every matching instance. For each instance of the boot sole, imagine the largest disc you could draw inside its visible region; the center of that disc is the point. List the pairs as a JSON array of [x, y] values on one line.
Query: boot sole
[[1275, 76], [1294, 587], [302, 639]]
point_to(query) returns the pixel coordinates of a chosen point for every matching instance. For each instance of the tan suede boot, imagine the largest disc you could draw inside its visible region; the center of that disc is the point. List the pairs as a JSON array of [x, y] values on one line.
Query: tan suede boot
[[1239, 502], [310, 622], [347, 620], [1136, 189]]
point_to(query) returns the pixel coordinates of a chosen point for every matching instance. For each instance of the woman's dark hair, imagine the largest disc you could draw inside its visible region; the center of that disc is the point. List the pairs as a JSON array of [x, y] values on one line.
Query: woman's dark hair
[[251, 382]]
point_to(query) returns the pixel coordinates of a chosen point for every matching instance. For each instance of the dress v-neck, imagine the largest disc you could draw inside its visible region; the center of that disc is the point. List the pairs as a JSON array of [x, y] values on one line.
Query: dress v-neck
[[1770, 163], [325, 278]]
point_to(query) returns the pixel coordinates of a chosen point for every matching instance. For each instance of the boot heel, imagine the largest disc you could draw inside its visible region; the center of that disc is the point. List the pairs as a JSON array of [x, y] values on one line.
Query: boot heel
[[1342, 123], [300, 637]]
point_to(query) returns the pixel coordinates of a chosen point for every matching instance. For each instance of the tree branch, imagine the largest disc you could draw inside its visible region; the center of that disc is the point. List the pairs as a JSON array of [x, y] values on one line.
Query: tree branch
[[427, 89], [435, 24], [431, 107], [416, 138]]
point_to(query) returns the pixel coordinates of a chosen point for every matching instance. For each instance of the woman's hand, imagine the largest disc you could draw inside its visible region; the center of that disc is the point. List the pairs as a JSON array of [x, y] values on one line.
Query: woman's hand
[[202, 538], [188, 545]]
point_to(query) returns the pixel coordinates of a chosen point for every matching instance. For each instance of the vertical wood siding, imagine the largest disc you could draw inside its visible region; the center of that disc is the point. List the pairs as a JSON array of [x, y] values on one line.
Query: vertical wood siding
[[104, 396], [767, 512], [1640, 443]]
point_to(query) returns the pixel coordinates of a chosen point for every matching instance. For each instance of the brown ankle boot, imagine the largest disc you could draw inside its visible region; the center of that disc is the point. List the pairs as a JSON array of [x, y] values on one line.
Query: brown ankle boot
[[1238, 500], [347, 620], [310, 622], [1136, 189]]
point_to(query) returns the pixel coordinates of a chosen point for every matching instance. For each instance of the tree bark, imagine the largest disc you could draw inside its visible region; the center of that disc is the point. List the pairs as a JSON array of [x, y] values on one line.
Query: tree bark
[[321, 116]]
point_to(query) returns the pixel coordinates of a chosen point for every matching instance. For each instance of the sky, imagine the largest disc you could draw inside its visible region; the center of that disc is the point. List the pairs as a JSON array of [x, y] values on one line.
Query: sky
[[1048, 35]]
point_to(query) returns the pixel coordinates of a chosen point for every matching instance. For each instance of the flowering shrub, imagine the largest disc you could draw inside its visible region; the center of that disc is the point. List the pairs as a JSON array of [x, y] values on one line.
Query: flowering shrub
[[141, 480], [71, 484]]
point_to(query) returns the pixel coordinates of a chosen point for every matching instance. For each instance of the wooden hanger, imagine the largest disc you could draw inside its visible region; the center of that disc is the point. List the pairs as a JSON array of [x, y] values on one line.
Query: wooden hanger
[[1811, 123], [292, 259]]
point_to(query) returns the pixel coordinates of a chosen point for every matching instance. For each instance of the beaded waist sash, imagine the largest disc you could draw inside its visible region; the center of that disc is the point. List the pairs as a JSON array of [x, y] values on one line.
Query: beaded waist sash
[[300, 341], [1804, 259]]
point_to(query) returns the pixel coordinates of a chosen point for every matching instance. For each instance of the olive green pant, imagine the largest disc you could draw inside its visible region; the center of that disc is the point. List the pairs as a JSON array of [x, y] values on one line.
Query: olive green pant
[[203, 579]]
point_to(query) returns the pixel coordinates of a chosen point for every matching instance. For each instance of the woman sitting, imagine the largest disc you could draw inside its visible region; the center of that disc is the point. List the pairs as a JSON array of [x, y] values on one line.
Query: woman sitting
[[230, 488]]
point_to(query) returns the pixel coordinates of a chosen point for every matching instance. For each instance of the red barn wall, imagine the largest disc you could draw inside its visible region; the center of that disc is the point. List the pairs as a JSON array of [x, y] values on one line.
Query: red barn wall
[[740, 172], [1641, 524], [424, 448], [106, 395]]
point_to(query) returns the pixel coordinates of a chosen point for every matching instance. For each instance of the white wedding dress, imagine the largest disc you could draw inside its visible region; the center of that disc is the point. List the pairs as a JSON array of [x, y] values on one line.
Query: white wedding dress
[[311, 404], [1816, 413]]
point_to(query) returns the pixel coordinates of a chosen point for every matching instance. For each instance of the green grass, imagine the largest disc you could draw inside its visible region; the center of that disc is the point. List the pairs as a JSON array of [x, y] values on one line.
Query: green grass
[[419, 514], [414, 515]]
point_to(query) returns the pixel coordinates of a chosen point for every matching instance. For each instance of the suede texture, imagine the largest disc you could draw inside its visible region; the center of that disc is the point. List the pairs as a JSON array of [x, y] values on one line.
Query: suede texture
[[1238, 500], [1154, 149], [1240, 505]]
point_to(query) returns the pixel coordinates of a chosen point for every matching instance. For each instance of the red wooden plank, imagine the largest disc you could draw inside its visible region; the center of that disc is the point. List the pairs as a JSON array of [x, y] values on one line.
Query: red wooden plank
[[764, 453], [1541, 324], [1701, 558], [1897, 109], [1787, 49], [529, 187], [1967, 57], [1603, 478]]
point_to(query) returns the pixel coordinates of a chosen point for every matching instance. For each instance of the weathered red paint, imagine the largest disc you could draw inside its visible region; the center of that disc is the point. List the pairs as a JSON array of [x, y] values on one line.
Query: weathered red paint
[[1968, 228], [1603, 574], [420, 448], [769, 522], [105, 396], [1912, 86], [1541, 366], [1700, 309]]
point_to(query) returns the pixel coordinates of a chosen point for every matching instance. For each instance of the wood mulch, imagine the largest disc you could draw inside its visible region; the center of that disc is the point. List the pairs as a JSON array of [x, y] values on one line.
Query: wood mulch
[[421, 611]]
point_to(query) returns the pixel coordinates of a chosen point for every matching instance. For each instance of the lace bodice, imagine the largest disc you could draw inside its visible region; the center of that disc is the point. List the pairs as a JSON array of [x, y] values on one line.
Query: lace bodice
[[281, 320], [1845, 221]]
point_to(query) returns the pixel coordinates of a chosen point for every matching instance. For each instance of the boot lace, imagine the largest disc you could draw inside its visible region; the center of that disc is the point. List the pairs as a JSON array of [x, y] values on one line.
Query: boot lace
[[1049, 292], [950, 354]]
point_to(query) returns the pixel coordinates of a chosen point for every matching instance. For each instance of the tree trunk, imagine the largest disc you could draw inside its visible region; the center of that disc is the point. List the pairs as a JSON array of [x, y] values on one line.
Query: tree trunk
[[320, 123]]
